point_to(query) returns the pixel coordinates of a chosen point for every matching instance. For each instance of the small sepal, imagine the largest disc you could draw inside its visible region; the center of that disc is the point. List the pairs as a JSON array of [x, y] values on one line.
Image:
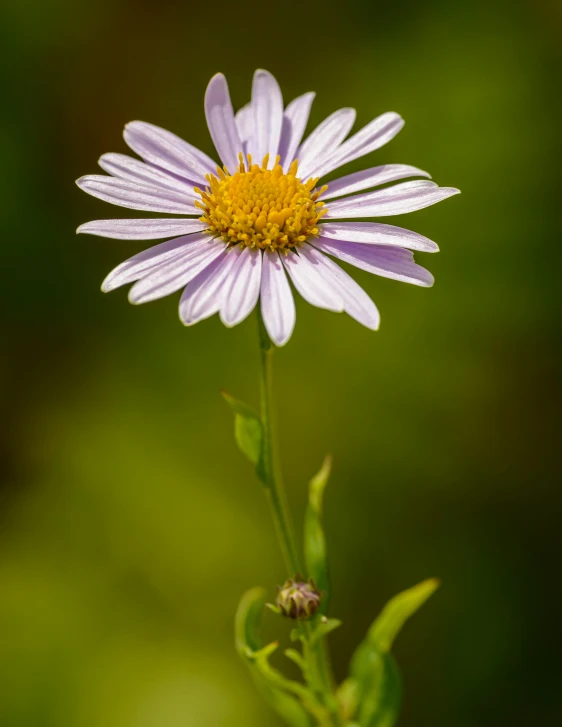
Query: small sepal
[[298, 599]]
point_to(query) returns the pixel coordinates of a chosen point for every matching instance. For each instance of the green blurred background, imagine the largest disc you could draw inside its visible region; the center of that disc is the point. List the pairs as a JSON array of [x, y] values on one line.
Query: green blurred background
[[130, 524]]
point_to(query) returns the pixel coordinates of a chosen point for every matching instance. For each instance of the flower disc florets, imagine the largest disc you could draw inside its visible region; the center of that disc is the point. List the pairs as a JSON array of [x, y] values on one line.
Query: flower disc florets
[[262, 208], [298, 599]]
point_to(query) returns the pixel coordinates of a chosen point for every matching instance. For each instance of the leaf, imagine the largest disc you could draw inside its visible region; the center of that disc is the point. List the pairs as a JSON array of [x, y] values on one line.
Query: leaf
[[248, 430], [374, 672], [248, 621], [397, 611], [380, 691], [324, 627], [346, 694], [314, 539], [297, 658], [278, 691]]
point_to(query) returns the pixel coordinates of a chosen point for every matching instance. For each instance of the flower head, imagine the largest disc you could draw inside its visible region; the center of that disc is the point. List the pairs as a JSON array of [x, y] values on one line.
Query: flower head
[[244, 229], [298, 599]]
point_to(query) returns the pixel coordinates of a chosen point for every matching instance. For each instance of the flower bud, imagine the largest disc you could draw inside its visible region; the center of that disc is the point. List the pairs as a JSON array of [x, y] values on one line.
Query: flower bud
[[298, 599]]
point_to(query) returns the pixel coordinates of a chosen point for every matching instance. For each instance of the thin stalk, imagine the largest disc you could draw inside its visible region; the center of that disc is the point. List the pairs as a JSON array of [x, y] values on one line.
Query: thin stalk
[[274, 487], [316, 652]]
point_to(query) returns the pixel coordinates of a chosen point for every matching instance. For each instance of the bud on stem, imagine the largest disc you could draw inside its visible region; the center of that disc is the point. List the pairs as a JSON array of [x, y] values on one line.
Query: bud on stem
[[298, 599]]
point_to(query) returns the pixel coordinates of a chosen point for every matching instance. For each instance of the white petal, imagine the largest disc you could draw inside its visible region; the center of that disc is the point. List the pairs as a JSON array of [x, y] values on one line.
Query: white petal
[[376, 134], [368, 178], [220, 120], [125, 167], [243, 289], [314, 288], [147, 260], [277, 304], [295, 120], [267, 105], [135, 196], [396, 200], [244, 120], [324, 140], [203, 296], [356, 303], [141, 229], [376, 233], [384, 260], [174, 274], [161, 147]]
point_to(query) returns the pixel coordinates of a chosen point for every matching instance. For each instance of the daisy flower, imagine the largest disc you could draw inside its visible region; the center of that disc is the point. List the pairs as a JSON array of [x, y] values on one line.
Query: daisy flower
[[243, 230]]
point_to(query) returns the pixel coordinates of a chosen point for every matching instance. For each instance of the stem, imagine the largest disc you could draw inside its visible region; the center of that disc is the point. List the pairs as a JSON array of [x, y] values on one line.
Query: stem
[[275, 491], [274, 487]]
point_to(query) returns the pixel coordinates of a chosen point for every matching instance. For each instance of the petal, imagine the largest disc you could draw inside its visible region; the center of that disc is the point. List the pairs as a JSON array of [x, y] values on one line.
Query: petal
[[145, 261], [164, 149], [375, 233], [133, 170], [141, 229], [384, 260], [376, 134], [135, 196], [396, 200], [277, 304], [220, 120], [267, 104], [243, 290], [295, 120], [174, 274], [244, 120], [356, 303], [203, 296], [324, 140], [314, 288], [370, 178]]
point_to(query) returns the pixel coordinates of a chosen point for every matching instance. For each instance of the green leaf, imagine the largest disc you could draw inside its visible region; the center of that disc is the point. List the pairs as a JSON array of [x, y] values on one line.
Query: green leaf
[[324, 627], [380, 705], [374, 673], [314, 539], [284, 697], [248, 430], [297, 658], [248, 621], [397, 611], [346, 694]]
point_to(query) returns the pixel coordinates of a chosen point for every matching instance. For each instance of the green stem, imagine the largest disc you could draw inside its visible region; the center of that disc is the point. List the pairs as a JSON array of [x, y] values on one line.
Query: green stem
[[274, 488], [275, 491]]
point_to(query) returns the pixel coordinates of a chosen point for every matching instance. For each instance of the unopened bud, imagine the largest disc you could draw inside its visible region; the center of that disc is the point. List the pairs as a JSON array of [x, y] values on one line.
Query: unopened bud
[[298, 599]]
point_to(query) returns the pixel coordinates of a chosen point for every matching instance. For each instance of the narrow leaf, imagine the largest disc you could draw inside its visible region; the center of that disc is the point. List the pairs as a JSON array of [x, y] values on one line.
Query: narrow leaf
[[325, 626], [397, 611], [278, 692], [381, 705], [373, 669], [346, 695], [248, 430], [297, 658], [248, 621], [314, 539]]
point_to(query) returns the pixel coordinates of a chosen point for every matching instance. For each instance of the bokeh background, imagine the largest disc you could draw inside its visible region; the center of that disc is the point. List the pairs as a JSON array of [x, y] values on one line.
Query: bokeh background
[[130, 524]]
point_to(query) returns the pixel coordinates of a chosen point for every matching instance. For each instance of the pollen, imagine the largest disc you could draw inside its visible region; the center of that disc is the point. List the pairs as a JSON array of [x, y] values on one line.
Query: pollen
[[261, 208]]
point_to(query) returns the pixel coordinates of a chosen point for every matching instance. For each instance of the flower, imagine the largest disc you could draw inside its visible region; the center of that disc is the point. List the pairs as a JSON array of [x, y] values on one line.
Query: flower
[[245, 229], [298, 599]]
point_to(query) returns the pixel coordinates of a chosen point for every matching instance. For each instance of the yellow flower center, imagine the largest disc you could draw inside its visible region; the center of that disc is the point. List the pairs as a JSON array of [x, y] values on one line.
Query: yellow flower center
[[260, 207]]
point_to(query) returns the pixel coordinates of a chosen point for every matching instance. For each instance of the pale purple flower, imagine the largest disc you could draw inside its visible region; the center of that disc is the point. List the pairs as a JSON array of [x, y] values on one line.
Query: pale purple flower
[[243, 231]]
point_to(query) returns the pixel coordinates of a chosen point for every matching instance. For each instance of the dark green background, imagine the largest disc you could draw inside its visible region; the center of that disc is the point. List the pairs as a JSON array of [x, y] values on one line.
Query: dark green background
[[130, 524]]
